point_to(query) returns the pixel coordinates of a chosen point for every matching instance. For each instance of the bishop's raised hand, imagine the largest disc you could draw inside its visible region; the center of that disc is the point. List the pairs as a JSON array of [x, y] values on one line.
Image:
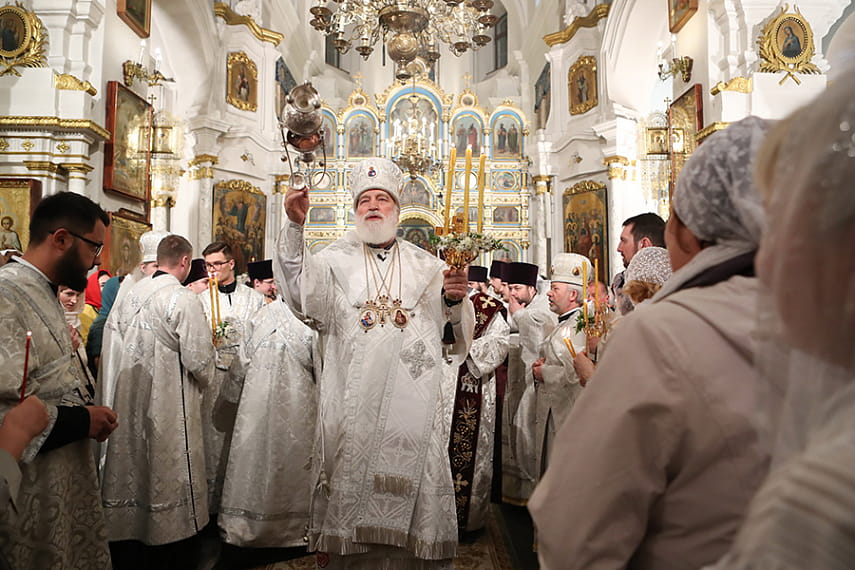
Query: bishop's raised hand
[[297, 204]]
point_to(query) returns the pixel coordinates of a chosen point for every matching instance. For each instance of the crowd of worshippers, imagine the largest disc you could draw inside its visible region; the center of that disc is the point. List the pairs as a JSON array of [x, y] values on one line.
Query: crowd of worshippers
[[367, 402]]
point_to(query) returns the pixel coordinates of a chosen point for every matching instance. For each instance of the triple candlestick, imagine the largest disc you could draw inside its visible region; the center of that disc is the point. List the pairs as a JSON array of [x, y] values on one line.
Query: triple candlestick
[[452, 162]]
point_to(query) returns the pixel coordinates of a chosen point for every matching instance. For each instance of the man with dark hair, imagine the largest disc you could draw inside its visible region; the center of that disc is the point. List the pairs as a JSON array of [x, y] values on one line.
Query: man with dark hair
[[159, 361], [261, 278], [234, 306], [60, 523], [643, 230]]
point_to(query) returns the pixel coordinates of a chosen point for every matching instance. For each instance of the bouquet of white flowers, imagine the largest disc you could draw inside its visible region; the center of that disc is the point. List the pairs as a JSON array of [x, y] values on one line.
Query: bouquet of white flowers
[[459, 249], [223, 330]]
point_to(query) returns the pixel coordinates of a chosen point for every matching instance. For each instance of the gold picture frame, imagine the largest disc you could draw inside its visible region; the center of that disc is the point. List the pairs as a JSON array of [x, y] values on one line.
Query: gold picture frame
[[680, 12], [18, 200], [22, 40], [136, 14], [122, 247], [242, 82], [240, 219], [787, 44], [586, 223], [582, 85]]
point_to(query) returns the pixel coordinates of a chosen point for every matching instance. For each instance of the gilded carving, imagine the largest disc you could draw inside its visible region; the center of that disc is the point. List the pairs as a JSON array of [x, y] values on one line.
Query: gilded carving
[[590, 21], [232, 18], [584, 186], [63, 147], [70, 124], [710, 129], [24, 44], [738, 84], [239, 185], [68, 82], [202, 158], [4, 145], [786, 44], [27, 145]]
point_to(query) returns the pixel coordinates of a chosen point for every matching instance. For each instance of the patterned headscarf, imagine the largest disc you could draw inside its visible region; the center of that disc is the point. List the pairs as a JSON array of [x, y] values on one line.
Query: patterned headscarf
[[650, 265]]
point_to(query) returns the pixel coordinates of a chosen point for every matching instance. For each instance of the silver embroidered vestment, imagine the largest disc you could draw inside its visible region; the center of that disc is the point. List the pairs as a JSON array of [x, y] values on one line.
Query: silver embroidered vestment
[[266, 491], [158, 357], [59, 523], [382, 474], [237, 308]]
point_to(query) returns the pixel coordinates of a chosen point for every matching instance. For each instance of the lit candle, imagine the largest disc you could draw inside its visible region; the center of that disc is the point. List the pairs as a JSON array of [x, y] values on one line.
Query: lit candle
[[449, 188], [26, 364], [482, 178], [217, 297], [584, 281], [596, 288], [569, 345], [467, 171], [142, 52], [211, 294]]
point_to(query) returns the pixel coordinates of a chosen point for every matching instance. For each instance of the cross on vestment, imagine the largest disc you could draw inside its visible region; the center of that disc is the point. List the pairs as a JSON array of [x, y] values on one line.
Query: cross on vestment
[[459, 483]]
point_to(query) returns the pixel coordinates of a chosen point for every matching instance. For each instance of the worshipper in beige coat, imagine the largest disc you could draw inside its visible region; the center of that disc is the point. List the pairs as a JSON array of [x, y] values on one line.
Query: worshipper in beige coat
[[657, 461], [802, 516]]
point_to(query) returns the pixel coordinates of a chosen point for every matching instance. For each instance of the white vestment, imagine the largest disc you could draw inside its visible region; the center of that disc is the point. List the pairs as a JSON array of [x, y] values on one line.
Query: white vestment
[[59, 521], [520, 470], [560, 387], [382, 474], [158, 357], [238, 308], [266, 492]]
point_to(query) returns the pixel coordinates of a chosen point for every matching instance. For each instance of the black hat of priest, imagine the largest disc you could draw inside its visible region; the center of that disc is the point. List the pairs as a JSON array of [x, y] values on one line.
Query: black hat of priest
[[521, 273], [260, 270], [477, 273], [497, 269], [197, 271]]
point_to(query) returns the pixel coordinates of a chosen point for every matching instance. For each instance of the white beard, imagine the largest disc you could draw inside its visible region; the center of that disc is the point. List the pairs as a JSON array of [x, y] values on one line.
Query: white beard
[[376, 232]]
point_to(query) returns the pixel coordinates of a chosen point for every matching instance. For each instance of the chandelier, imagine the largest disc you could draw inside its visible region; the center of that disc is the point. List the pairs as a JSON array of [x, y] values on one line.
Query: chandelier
[[409, 28], [413, 142]]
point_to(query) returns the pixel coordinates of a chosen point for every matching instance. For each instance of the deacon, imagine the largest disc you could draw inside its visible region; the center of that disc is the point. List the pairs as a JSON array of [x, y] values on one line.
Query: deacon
[[59, 523], [272, 383], [473, 421], [159, 361], [531, 315], [557, 385], [229, 307], [382, 494], [497, 285], [261, 278]]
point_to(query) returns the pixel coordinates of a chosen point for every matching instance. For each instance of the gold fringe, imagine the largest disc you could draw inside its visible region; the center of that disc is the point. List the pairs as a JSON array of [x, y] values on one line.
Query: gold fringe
[[393, 485]]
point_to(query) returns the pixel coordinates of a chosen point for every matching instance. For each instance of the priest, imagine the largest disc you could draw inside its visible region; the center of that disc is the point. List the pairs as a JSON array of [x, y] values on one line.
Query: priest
[[59, 523], [556, 383], [382, 493], [272, 383], [160, 359], [261, 278]]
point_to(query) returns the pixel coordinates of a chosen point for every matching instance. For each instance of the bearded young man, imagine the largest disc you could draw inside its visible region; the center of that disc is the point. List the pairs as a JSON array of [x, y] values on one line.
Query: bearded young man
[[59, 523], [382, 493]]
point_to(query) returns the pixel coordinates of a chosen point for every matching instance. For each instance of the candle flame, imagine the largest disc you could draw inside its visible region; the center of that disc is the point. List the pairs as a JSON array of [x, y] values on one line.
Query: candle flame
[[29, 334]]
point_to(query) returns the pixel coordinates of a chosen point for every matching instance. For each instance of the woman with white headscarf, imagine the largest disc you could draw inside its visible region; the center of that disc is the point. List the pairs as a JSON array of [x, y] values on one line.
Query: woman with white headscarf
[[804, 515], [657, 461]]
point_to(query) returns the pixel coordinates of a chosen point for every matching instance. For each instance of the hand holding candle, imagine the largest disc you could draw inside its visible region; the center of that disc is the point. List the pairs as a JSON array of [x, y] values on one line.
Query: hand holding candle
[[26, 365]]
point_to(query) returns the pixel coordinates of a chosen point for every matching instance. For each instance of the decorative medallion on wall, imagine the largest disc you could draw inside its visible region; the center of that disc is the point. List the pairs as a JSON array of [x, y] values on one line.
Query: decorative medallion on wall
[[586, 223], [22, 40], [240, 220], [242, 82], [786, 44], [680, 12], [136, 14], [582, 84]]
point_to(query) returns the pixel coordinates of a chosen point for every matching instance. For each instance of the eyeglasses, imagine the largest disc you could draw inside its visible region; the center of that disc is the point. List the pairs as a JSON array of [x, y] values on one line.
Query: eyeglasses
[[215, 264], [98, 246]]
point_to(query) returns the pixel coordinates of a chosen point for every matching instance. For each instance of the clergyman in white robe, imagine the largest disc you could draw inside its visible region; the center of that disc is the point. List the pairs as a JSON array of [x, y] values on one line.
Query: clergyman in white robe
[[158, 357], [266, 492]]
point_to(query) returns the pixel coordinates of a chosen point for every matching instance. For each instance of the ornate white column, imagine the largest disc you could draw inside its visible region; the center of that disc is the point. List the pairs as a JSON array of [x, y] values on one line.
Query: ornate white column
[[540, 221]]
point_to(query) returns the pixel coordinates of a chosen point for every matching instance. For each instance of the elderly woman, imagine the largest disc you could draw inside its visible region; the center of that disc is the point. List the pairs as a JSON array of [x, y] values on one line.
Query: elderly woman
[[648, 271], [804, 515], [657, 461]]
